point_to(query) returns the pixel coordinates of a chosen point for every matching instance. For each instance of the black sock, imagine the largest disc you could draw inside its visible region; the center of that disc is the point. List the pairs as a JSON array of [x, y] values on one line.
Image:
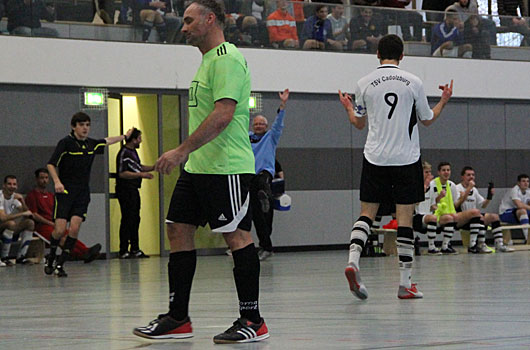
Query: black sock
[[148, 25], [162, 31], [68, 246], [54, 243], [246, 276], [181, 269]]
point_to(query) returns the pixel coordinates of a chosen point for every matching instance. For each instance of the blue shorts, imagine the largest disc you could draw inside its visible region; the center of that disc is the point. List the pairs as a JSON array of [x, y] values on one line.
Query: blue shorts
[[509, 216]]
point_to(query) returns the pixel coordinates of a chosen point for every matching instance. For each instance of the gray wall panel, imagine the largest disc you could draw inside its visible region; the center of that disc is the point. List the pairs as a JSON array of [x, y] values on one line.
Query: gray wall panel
[[450, 131], [489, 166], [517, 126], [517, 162], [311, 121], [93, 229], [315, 218], [40, 115], [486, 125], [316, 169]]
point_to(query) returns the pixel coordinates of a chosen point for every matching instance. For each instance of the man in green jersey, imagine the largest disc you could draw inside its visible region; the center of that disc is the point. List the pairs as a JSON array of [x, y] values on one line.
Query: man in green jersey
[[214, 185]]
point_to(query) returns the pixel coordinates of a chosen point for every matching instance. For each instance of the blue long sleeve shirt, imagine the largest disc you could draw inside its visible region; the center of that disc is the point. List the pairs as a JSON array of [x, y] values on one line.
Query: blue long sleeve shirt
[[264, 146]]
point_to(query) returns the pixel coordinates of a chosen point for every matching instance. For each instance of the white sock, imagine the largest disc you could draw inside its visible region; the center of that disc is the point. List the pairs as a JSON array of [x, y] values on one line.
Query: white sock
[[405, 273], [26, 237], [7, 238], [472, 239], [431, 234], [359, 232], [523, 219]]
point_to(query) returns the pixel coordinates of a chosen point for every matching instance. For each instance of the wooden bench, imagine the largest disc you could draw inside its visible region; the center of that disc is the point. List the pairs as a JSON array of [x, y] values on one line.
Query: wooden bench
[[506, 236], [35, 252], [389, 241]]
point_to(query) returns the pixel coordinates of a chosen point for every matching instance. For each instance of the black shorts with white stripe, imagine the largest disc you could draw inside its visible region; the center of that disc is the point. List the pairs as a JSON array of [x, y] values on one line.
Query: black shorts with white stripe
[[219, 200]]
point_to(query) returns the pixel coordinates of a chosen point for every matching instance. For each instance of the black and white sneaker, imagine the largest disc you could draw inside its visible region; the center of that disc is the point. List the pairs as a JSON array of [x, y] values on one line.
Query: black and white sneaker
[[6, 262], [49, 265], [59, 271], [24, 261], [165, 327], [243, 331], [138, 254]]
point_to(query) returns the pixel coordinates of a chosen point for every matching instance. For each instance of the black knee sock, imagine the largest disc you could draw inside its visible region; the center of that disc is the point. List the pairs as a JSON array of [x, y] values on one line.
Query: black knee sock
[[246, 276], [54, 243], [68, 246], [162, 31], [148, 25], [181, 269]]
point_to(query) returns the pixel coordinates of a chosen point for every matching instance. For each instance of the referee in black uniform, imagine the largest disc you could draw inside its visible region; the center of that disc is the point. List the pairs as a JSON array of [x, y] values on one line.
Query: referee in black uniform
[[69, 167], [128, 182]]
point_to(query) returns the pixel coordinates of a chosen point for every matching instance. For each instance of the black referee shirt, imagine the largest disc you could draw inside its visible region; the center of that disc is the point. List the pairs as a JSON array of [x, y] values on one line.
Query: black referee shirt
[[73, 158]]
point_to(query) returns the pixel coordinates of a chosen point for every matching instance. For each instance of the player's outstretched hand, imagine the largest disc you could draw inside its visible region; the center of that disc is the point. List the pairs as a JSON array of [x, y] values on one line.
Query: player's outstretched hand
[[169, 160], [346, 100], [447, 91]]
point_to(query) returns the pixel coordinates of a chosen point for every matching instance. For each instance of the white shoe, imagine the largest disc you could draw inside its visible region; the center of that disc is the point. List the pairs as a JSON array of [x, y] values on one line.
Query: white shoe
[[2, 264], [228, 252], [504, 249], [264, 254], [357, 287]]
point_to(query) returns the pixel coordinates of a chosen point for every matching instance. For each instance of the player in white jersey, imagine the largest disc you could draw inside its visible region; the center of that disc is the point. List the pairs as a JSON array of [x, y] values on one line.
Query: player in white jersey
[[515, 205], [445, 199], [15, 218], [424, 221], [470, 198], [392, 100]]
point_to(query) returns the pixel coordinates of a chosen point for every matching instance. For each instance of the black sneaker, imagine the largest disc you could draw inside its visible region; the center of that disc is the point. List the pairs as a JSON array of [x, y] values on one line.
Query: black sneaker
[[449, 251], [243, 331], [59, 271], [24, 261], [264, 201], [125, 255], [7, 262], [165, 327], [139, 254], [49, 265], [93, 253], [473, 249]]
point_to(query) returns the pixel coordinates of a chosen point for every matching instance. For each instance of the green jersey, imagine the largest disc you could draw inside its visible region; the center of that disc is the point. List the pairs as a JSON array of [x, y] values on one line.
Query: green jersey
[[223, 74]]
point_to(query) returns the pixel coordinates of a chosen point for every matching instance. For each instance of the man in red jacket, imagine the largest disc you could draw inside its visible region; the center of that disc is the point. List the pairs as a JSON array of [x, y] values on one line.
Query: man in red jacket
[[41, 203]]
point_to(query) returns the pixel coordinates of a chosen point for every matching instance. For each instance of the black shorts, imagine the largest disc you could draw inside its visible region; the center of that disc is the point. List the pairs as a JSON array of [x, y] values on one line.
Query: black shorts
[[73, 203], [404, 183], [417, 223], [220, 200]]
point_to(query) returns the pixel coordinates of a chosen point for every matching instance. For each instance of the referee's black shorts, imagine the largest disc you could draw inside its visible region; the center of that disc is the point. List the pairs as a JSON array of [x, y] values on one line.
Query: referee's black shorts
[[73, 203], [220, 200], [404, 183]]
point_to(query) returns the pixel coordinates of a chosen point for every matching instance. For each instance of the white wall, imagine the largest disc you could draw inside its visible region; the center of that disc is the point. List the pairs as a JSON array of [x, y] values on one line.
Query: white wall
[[138, 65]]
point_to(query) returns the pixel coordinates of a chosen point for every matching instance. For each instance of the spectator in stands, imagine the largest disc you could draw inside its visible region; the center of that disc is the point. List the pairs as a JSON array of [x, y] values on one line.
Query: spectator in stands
[[366, 30], [23, 18], [405, 19], [476, 29], [515, 23], [431, 6], [469, 198], [515, 205], [41, 203], [157, 14], [446, 36], [282, 27], [15, 218], [339, 25], [317, 33]]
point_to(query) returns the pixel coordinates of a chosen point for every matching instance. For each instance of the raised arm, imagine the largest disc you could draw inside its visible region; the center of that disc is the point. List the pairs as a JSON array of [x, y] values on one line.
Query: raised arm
[[347, 102], [113, 139], [447, 92]]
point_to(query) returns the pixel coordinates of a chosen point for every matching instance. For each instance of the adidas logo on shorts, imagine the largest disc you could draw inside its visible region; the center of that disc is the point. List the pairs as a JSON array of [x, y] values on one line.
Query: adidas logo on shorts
[[222, 218]]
